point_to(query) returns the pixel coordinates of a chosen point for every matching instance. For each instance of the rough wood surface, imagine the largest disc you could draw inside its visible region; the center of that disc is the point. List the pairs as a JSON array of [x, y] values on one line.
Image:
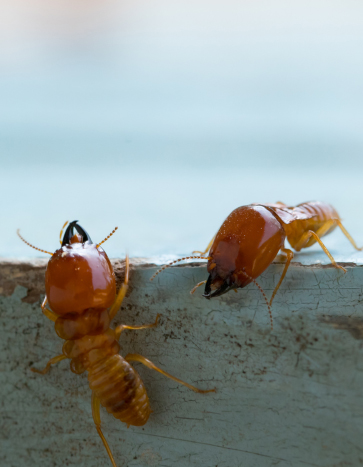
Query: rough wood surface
[[293, 397]]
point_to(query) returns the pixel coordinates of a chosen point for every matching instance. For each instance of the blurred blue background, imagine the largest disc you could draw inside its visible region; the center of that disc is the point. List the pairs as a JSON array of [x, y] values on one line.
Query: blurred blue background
[[161, 117]]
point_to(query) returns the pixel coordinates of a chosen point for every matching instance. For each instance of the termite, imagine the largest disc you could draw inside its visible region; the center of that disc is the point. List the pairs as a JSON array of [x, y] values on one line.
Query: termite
[[81, 296], [251, 237]]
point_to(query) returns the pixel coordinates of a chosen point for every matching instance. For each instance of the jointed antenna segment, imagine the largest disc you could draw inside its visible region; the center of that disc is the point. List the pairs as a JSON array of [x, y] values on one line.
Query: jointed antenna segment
[[108, 236], [32, 246], [264, 296], [195, 287], [61, 232], [177, 261]]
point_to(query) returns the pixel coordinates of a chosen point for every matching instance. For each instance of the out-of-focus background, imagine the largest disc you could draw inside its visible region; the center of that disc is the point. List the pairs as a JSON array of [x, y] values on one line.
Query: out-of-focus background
[[161, 117]]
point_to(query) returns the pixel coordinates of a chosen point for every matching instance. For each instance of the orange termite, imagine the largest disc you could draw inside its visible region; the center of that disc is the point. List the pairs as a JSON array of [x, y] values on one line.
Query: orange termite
[[81, 293], [251, 237]]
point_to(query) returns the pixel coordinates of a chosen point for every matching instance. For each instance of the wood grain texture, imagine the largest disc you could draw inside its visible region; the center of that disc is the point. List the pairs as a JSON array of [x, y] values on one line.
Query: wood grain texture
[[293, 397]]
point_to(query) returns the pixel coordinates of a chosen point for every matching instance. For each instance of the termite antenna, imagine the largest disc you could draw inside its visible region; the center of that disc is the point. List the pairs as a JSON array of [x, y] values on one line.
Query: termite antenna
[[177, 261], [32, 246], [195, 288], [264, 296], [108, 236], [61, 232]]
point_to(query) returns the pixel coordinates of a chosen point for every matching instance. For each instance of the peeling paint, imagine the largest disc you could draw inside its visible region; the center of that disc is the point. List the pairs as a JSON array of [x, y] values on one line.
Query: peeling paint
[[354, 325]]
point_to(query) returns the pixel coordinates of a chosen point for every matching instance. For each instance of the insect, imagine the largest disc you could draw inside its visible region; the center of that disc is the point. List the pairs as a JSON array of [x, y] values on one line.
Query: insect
[[251, 237], [81, 294]]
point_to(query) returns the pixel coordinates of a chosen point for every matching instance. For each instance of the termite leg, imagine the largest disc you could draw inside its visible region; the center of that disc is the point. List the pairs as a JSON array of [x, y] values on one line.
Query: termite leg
[[195, 288], [139, 358], [307, 236], [312, 239], [289, 255], [343, 229], [52, 361], [97, 419], [122, 292], [120, 328], [207, 249], [47, 312]]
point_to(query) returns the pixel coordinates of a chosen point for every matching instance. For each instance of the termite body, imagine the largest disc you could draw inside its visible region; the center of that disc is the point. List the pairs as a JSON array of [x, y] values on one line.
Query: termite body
[[251, 237], [81, 294]]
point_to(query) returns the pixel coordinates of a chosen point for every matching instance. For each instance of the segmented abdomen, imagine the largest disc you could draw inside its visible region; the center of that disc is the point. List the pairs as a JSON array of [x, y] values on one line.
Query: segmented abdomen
[[317, 211], [120, 390], [315, 216], [92, 346]]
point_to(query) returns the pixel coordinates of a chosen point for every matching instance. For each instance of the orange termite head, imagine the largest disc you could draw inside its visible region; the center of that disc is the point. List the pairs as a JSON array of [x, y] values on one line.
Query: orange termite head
[[79, 275], [245, 245]]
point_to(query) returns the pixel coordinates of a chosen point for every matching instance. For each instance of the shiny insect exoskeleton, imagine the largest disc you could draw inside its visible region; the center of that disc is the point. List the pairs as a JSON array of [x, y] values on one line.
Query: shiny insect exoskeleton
[[81, 294], [251, 237]]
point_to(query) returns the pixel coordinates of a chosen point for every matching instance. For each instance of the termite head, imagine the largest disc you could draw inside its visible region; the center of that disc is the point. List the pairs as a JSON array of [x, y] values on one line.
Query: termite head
[[216, 285], [222, 267], [79, 275], [245, 245]]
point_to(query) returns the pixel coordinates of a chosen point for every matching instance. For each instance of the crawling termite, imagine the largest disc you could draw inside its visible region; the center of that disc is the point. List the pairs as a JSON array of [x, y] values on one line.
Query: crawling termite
[[81, 293], [251, 237]]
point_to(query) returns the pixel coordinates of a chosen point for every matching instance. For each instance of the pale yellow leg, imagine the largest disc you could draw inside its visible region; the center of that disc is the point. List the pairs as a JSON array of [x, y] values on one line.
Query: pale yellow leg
[[122, 292], [195, 288], [289, 255], [307, 236], [97, 419], [47, 312], [320, 233], [342, 228], [120, 328], [139, 358], [207, 249], [52, 361]]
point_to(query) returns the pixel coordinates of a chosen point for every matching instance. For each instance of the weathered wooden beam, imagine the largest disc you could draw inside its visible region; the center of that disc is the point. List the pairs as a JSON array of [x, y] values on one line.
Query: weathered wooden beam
[[292, 397]]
